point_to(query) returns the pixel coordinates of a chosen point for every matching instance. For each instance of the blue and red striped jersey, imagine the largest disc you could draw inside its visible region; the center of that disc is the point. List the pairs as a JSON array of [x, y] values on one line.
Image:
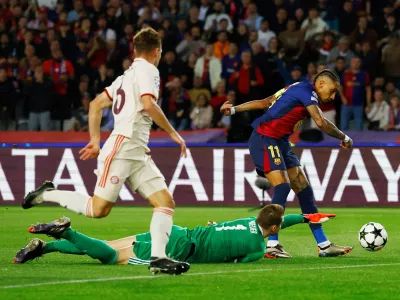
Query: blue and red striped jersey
[[354, 85], [288, 111]]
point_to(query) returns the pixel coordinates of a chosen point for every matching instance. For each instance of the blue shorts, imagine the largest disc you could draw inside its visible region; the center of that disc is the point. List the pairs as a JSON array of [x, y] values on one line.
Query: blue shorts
[[270, 154]]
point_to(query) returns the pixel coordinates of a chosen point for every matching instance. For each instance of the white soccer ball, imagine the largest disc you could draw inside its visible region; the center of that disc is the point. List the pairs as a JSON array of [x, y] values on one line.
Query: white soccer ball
[[373, 236]]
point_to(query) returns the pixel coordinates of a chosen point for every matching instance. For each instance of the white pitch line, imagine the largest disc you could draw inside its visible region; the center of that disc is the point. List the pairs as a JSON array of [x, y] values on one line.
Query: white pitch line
[[192, 274]]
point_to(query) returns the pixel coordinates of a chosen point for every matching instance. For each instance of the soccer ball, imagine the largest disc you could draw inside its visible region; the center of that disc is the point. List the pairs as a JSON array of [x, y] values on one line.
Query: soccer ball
[[372, 236]]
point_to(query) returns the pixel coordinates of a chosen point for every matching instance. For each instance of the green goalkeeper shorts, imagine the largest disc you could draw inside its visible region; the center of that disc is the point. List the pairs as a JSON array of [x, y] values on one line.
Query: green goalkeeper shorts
[[179, 247]]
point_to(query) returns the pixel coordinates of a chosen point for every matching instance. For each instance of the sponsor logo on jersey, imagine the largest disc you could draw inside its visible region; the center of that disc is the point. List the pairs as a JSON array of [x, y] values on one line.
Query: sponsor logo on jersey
[[314, 96], [253, 227], [236, 227], [157, 82], [277, 161], [114, 180]]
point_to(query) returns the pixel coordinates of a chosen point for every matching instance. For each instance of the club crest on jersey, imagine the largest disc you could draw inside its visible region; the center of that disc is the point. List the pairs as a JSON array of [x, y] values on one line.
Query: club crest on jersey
[[157, 82], [277, 161], [114, 180]]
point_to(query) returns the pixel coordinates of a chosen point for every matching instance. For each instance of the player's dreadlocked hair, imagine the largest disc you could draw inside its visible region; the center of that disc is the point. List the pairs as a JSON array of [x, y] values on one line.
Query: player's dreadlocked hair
[[329, 73]]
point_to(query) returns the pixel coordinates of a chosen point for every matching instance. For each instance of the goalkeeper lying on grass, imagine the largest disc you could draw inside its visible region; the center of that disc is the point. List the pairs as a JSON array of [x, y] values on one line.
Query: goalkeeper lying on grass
[[235, 241]]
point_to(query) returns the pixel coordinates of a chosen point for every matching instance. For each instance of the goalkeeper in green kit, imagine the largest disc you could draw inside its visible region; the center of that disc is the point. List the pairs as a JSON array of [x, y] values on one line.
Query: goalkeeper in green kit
[[238, 241]]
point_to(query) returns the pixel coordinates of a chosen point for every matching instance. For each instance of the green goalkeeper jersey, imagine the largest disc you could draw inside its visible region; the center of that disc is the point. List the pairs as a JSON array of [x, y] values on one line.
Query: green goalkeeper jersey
[[234, 241]]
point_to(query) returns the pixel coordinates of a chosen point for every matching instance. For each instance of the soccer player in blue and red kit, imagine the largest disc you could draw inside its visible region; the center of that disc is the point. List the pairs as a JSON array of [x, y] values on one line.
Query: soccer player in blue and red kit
[[272, 155]]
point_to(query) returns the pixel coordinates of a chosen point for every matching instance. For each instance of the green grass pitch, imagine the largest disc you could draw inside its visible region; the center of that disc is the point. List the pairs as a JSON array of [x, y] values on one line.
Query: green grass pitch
[[359, 275]]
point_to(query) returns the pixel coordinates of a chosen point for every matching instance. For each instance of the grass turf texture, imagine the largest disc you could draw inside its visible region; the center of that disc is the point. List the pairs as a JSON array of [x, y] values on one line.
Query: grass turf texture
[[361, 274]]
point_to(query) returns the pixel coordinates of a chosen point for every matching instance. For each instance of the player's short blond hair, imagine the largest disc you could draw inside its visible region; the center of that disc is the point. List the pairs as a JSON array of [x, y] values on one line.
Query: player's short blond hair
[[146, 40], [270, 215]]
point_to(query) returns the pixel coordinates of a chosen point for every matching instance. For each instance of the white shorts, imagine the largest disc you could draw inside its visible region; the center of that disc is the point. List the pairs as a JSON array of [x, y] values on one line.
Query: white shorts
[[140, 172]]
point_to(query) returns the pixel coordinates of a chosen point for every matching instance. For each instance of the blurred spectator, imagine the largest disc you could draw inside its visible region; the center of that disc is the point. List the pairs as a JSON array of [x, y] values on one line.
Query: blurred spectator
[[104, 31], [209, 68], [230, 62], [292, 76], [190, 44], [126, 42], [292, 40], [205, 8], [343, 50], [369, 59], [97, 54], [299, 17], [253, 20], [61, 71], [198, 89], [171, 11], [247, 78], [126, 63], [7, 102], [127, 17], [217, 101], [179, 105], [74, 14], [39, 94], [390, 90], [193, 19], [347, 18], [391, 60], [394, 114], [202, 114], [326, 45], [281, 20], [379, 83], [221, 45], [363, 34], [187, 75], [81, 115], [378, 112], [340, 67], [169, 67], [107, 120], [388, 29], [214, 18], [313, 25], [101, 81], [41, 18], [356, 93], [265, 34], [311, 72], [5, 47], [223, 121], [242, 35]]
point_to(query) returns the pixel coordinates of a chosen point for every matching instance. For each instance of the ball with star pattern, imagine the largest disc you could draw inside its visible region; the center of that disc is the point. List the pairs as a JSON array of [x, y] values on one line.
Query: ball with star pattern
[[373, 236]]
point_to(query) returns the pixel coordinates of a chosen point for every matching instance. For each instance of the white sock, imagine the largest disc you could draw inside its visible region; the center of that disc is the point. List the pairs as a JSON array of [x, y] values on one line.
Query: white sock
[[81, 204], [160, 230], [324, 244], [272, 243]]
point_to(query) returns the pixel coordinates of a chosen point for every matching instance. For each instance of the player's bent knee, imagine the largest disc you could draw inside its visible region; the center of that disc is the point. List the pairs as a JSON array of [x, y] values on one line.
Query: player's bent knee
[[101, 207], [162, 198]]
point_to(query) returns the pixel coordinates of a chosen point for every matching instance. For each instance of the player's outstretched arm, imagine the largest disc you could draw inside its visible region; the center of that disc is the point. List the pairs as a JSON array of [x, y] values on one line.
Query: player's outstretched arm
[[92, 149], [158, 116], [228, 109], [328, 127]]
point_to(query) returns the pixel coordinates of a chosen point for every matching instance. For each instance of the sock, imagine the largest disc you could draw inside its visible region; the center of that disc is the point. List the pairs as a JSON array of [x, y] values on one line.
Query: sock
[[290, 220], [74, 201], [93, 247], [160, 230], [308, 206], [281, 191], [62, 246]]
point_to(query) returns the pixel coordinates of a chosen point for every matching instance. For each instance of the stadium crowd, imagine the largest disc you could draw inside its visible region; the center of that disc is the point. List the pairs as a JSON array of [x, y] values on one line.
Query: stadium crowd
[[56, 56]]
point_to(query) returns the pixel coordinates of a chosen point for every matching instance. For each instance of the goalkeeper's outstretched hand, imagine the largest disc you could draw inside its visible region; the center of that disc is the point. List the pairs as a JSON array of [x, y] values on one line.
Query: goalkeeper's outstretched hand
[[317, 218], [210, 223]]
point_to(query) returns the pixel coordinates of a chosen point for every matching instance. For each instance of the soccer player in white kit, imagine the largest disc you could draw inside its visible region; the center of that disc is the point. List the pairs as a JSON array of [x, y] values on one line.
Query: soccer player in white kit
[[124, 156]]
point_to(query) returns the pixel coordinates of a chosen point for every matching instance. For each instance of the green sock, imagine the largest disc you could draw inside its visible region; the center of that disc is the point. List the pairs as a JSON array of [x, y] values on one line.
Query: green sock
[[290, 220], [93, 247], [62, 246]]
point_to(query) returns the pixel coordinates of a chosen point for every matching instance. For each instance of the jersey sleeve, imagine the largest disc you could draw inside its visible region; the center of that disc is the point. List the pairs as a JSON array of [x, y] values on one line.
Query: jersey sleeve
[[307, 95], [149, 83], [250, 257], [111, 89]]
